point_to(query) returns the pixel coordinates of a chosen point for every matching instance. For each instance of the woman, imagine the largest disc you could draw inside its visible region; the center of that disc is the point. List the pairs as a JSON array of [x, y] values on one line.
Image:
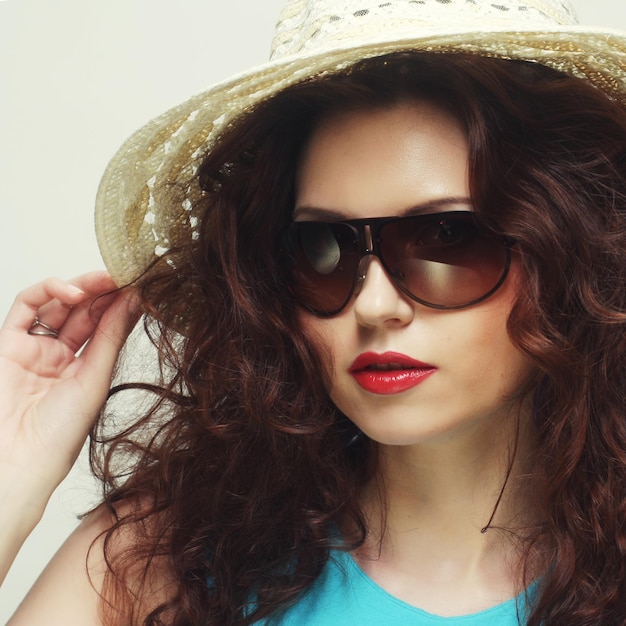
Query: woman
[[389, 302]]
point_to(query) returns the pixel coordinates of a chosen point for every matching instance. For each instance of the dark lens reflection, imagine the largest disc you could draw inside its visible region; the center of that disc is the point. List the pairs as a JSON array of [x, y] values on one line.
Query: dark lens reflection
[[325, 258], [444, 261]]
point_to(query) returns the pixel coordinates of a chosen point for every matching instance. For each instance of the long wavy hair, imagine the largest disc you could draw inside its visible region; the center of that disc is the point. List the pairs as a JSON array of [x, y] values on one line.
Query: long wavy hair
[[235, 478]]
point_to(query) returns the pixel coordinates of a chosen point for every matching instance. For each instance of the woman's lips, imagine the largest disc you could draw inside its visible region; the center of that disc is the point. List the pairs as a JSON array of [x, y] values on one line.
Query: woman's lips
[[389, 373]]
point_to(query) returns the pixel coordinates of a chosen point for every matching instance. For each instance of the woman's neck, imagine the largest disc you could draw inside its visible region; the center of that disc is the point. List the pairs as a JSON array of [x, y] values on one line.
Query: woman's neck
[[443, 515]]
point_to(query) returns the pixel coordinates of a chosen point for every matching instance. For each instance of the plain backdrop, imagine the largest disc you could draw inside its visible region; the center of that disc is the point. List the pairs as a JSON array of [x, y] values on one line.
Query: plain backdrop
[[76, 78]]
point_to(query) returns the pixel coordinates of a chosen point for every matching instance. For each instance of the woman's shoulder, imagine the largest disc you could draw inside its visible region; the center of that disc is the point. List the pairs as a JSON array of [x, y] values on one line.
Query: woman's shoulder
[[68, 590], [74, 587]]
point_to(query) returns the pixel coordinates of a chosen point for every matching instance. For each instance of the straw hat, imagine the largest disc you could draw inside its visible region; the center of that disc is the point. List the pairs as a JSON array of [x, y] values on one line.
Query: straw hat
[[141, 209]]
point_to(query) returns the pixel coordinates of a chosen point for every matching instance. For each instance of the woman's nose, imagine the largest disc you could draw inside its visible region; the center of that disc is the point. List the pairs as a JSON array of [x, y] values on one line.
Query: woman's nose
[[378, 300]]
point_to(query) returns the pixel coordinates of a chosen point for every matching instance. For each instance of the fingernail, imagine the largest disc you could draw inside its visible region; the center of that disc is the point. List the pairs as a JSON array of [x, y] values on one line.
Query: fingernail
[[75, 291]]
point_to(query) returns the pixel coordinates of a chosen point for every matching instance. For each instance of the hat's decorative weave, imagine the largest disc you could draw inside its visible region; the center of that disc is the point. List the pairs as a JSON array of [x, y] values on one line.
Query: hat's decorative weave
[[142, 208]]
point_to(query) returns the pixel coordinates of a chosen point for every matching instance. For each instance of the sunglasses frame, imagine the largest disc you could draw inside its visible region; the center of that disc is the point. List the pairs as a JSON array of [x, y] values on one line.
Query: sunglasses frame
[[367, 231]]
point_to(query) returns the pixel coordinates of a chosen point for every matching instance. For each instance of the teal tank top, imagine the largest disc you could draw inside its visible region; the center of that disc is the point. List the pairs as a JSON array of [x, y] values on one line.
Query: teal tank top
[[344, 595]]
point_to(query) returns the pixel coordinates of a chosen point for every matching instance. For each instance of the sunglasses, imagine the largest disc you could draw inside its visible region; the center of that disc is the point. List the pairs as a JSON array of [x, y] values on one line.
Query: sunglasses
[[443, 260]]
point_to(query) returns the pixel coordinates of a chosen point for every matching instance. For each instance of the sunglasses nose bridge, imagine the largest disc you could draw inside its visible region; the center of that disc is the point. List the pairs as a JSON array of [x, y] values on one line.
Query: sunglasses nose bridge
[[368, 239], [364, 263], [366, 254]]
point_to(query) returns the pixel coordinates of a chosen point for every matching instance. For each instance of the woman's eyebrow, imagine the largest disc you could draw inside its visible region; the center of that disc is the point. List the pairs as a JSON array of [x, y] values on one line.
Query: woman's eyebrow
[[306, 212]]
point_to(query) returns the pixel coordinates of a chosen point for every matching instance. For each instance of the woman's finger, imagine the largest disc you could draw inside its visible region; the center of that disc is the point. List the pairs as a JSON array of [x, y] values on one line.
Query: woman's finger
[[83, 319], [93, 285], [28, 302], [51, 300], [101, 352]]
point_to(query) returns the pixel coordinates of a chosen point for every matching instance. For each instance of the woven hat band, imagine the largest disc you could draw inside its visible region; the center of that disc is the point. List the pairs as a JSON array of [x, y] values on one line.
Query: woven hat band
[[316, 25]]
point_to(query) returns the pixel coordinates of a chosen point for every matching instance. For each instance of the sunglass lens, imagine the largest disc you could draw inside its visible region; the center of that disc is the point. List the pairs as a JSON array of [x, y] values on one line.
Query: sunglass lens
[[323, 263], [443, 260]]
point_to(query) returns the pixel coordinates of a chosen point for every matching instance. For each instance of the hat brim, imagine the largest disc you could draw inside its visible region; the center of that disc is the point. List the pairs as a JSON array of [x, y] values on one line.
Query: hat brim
[[141, 208]]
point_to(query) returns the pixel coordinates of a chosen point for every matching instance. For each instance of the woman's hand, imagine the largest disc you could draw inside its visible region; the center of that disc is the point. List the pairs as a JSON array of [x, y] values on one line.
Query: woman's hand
[[50, 393]]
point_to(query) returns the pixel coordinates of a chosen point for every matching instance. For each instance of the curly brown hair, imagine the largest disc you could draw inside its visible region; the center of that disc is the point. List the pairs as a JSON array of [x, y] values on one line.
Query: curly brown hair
[[243, 467]]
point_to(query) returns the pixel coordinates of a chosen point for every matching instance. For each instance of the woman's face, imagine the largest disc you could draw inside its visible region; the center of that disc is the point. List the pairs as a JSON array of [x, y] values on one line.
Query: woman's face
[[382, 163]]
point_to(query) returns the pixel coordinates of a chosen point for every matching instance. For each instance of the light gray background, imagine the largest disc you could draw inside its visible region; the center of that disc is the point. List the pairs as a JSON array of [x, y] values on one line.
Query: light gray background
[[76, 78]]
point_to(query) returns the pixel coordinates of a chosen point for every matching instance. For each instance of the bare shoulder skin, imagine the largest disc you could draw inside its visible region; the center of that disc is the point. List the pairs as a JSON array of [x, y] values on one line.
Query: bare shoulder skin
[[72, 589], [68, 590]]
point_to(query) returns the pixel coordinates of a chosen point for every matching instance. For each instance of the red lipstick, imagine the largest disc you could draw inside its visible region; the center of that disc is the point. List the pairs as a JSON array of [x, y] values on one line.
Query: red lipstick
[[389, 373]]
